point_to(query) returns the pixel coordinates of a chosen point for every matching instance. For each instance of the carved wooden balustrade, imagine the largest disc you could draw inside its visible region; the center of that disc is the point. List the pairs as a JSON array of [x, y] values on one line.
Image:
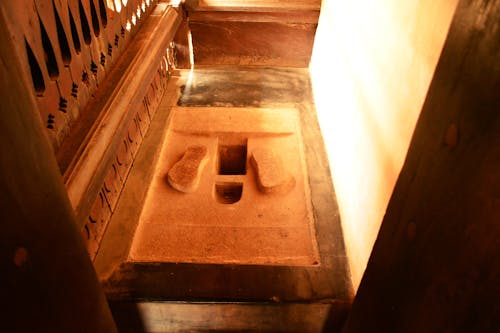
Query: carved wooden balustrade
[[98, 70]]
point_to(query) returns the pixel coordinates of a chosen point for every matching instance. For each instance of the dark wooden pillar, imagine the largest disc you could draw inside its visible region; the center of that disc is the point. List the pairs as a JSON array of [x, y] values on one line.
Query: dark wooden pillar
[[47, 282], [435, 266]]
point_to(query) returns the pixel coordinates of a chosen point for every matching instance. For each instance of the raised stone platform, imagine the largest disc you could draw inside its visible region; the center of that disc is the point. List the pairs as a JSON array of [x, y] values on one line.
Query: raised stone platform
[[228, 218], [277, 255]]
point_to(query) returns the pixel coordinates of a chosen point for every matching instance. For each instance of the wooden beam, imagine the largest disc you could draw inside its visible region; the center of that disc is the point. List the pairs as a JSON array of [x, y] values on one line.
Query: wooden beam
[[47, 281], [289, 17], [253, 5]]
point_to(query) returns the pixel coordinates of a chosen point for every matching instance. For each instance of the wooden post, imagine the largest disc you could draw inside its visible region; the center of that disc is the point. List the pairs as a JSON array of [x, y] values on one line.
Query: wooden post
[[47, 282], [435, 265]]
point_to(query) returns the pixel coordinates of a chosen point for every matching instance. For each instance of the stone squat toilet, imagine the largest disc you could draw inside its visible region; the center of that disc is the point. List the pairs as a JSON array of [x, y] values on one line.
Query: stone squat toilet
[[230, 186]]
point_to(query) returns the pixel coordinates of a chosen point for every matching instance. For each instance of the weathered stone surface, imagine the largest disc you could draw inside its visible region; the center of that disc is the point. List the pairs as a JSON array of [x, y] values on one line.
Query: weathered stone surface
[[185, 175], [227, 219]]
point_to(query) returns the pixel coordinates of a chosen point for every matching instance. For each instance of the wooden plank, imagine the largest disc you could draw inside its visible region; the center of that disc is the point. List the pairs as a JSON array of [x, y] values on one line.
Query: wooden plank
[[47, 280], [252, 43], [252, 5], [435, 265], [290, 17]]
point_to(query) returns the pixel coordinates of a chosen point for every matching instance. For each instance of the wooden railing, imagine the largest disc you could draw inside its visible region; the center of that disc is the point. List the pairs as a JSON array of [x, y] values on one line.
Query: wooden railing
[[98, 70], [126, 104]]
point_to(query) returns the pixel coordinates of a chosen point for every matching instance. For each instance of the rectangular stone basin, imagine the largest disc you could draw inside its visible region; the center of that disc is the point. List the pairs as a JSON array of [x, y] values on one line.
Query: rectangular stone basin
[[228, 218]]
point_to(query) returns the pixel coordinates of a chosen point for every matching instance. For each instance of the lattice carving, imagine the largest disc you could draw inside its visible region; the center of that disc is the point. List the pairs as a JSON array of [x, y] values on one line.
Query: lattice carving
[[67, 47]]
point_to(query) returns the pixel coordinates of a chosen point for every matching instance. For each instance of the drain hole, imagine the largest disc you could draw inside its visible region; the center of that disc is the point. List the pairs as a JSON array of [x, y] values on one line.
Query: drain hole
[[233, 159], [228, 193]]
